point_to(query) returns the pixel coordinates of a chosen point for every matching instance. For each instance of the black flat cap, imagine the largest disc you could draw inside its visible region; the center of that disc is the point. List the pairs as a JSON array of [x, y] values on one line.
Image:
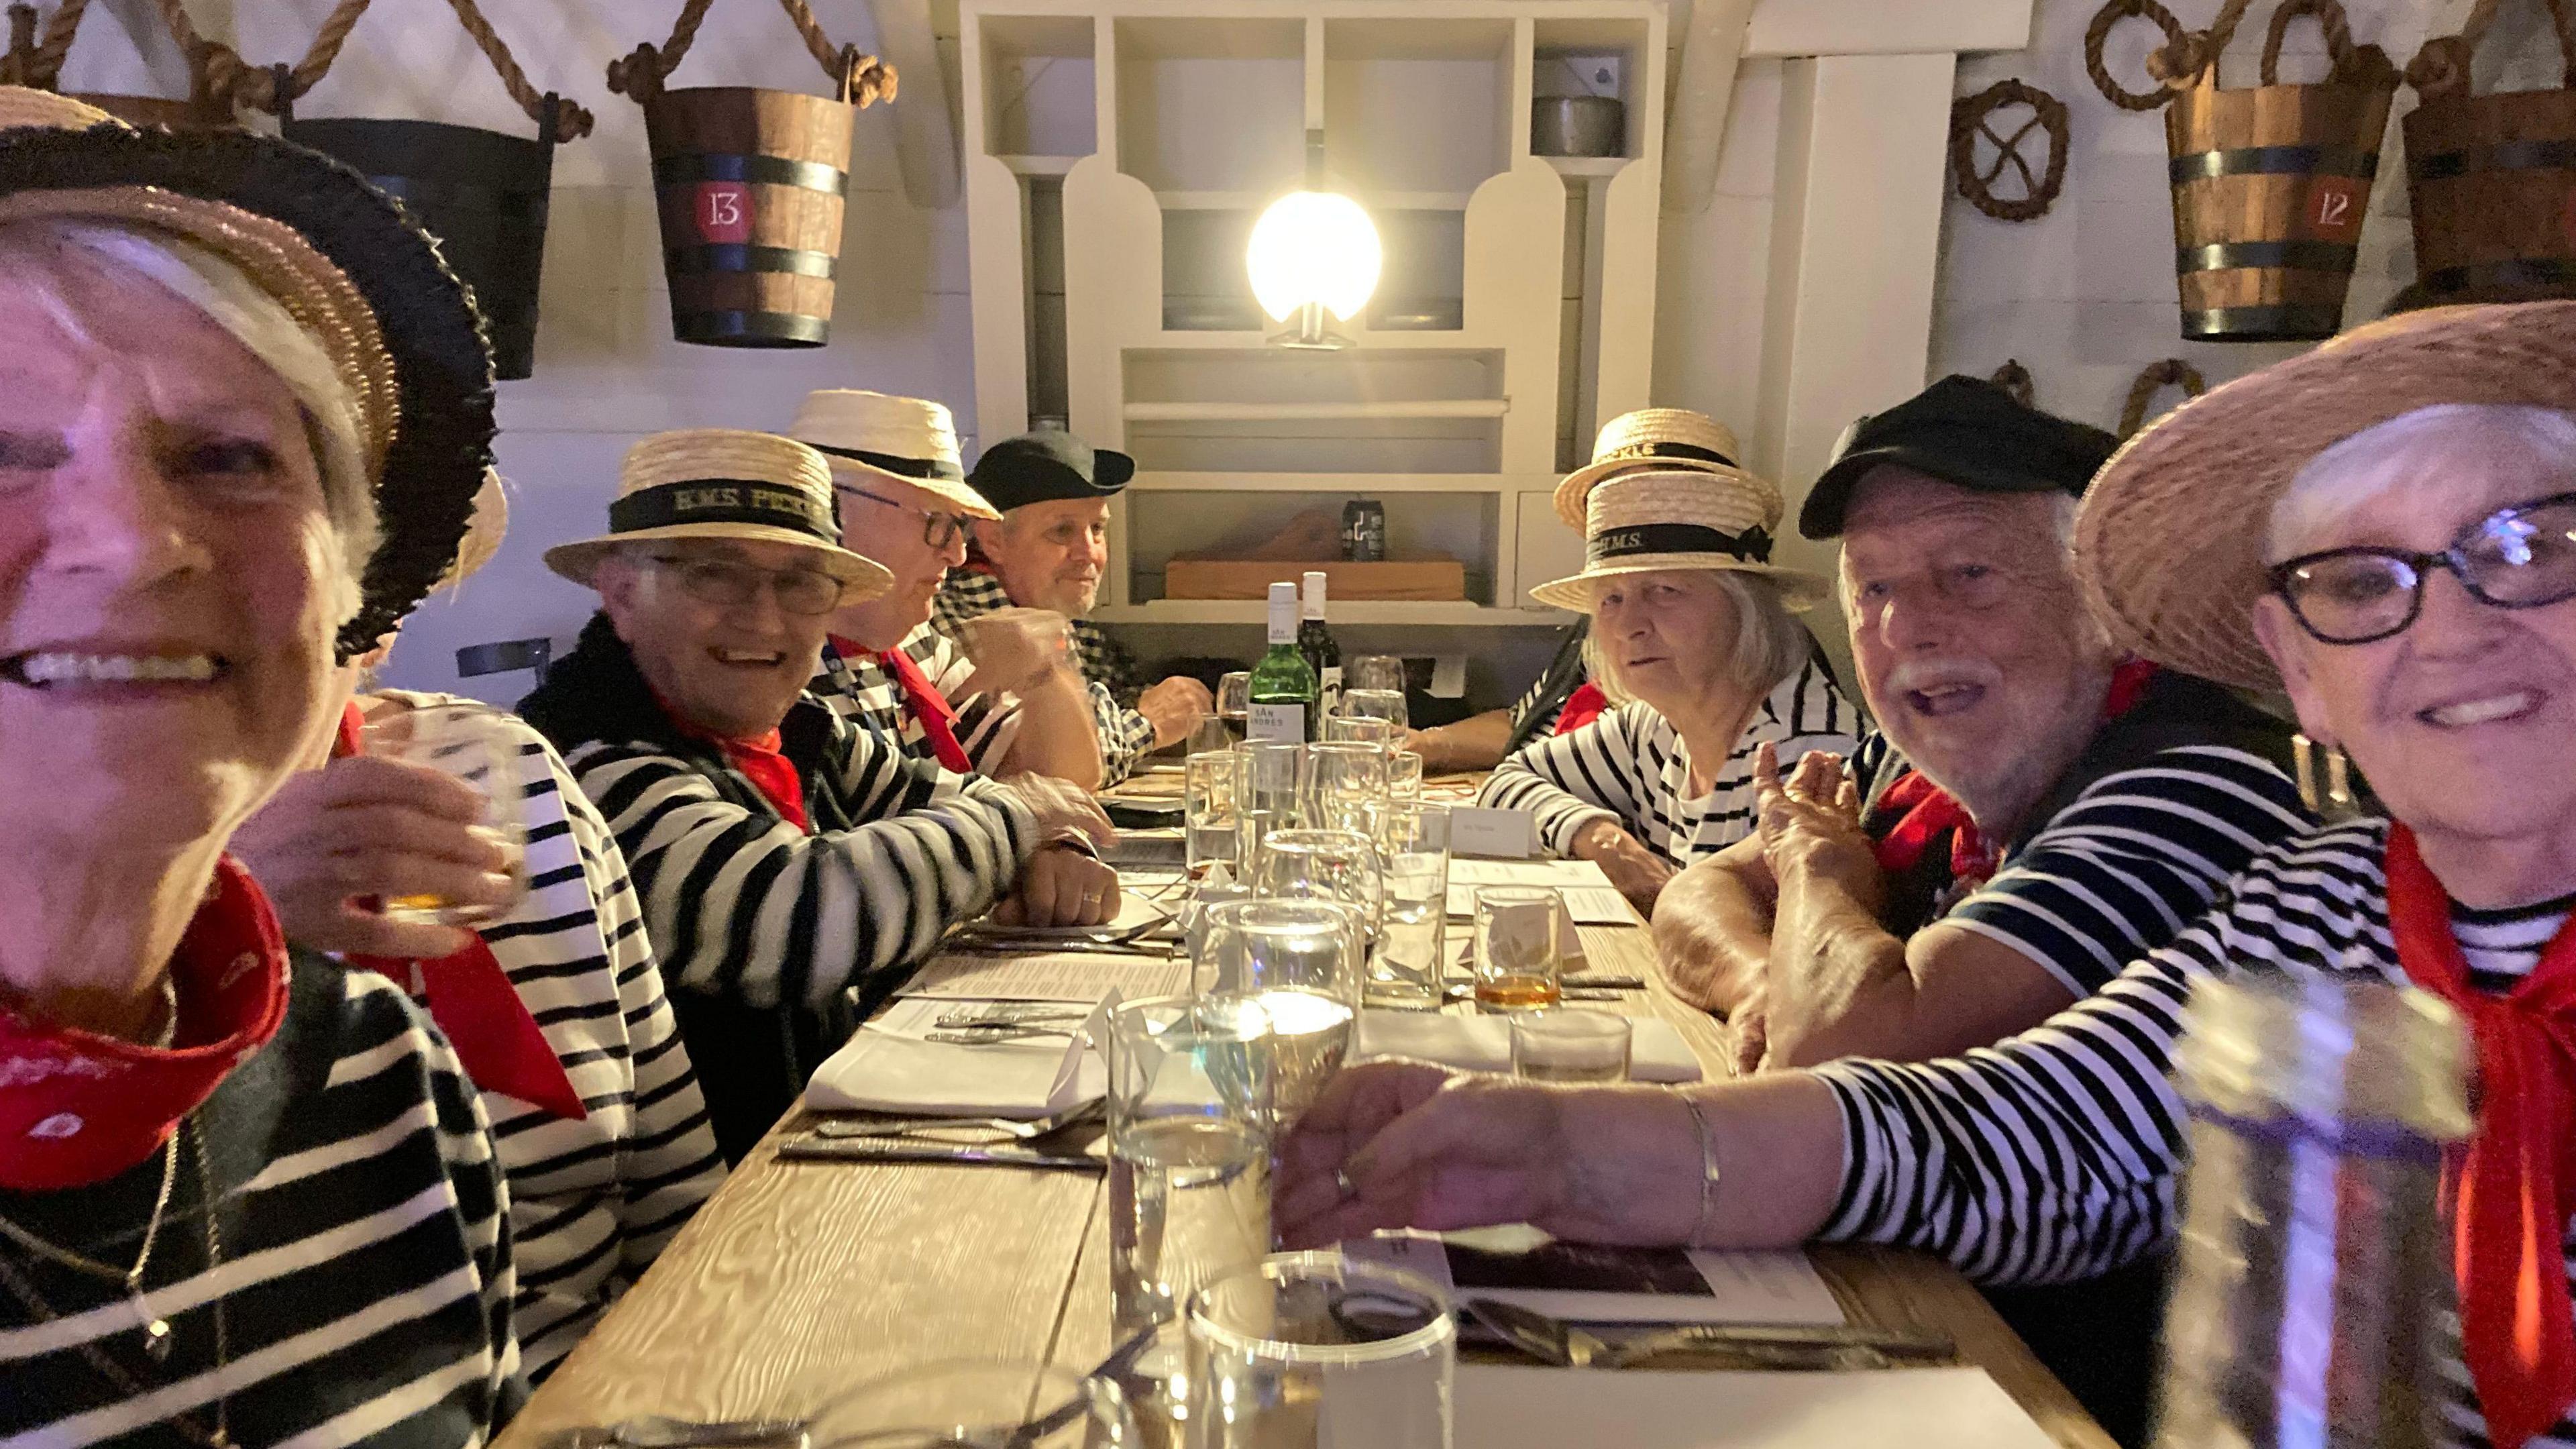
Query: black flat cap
[[1047, 464], [1962, 430]]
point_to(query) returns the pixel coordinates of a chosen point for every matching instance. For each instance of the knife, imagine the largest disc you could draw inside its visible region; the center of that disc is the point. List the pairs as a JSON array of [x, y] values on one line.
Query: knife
[[808, 1147]]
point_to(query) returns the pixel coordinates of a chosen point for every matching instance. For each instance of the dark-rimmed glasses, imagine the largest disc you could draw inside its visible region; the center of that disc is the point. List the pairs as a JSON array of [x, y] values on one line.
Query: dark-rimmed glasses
[[2523, 557], [937, 530], [731, 584]]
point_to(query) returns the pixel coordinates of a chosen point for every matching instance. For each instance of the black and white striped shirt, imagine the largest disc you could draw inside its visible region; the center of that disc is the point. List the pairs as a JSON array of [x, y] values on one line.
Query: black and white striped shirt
[[593, 1201], [858, 688], [1631, 766], [363, 1264], [2056, 1155]]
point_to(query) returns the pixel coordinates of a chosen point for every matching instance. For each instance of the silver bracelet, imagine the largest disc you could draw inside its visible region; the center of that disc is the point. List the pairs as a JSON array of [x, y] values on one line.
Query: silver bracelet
[[1707, 1166]]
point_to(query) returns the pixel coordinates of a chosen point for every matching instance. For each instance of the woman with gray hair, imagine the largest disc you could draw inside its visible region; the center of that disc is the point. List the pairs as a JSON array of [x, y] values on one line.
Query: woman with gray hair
[[1692, 637], [245, 1196]]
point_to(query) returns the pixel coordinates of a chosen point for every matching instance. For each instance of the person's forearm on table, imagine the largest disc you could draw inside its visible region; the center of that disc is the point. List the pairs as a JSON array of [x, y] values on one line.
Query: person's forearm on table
[[1712, 930], [1474, 743], [1838, 981], [1634, 1165], [1056, 734]]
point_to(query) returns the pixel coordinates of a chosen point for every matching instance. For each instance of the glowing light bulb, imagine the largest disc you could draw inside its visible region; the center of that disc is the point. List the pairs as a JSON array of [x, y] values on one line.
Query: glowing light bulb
[[1314, 248]]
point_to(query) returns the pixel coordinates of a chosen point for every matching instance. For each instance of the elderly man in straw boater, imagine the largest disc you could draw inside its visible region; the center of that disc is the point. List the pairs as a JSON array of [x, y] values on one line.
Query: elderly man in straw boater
[[1693, 621], [1002, 698], [2386, 527], [1047, 550], [2040, 810], [794, 868]]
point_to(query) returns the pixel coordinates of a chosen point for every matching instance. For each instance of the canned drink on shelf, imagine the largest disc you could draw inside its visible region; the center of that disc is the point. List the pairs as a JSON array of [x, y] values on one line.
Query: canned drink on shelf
[[1363, 530]]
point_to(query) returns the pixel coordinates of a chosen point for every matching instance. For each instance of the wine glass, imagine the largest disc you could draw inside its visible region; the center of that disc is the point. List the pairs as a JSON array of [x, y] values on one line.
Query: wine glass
[[1385, 704], [1374, 671], [1300, 962]]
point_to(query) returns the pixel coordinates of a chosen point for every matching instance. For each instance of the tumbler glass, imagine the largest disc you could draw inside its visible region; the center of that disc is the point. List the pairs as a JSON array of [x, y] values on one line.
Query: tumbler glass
[[1406, 969], [1516, 948], [1561, 1044], [1344, 782], [1269, 794], [1352, 729], [1211, 814], [463, 741], [1374, 671], [976, 1401], [1299, 961], [1404, 776], [1316, 1351]]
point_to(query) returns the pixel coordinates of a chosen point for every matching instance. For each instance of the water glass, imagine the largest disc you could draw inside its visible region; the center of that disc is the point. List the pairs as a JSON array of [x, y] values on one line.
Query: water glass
[[1211, 817], [1406, 969], [1269, 794], [1344, 782], [1316, 1351], [1300, 960], [1561, 1044], [1189, 1110], [1234, 702], [1352, 729], [1385, 704], [1374, 671], [1209, 734], [463, 741], [977, 1401], [1404, 776], [1516, 948]]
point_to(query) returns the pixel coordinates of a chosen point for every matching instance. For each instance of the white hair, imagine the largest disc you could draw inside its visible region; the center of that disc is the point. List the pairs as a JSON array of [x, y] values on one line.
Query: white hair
[[2402, 452], [1769, 645], [39, 255]]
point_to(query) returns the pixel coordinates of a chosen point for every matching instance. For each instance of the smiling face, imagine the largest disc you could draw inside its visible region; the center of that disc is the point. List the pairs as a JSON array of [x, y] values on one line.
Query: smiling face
[[727, 669], [896, 534], [2463, 721], [170, 581], [1973, 646], [1050, 555], [1668, 638]]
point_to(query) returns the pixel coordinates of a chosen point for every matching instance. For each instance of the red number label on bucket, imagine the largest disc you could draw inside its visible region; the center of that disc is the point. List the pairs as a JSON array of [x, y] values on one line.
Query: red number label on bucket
[[2338, 209], [724, 213]]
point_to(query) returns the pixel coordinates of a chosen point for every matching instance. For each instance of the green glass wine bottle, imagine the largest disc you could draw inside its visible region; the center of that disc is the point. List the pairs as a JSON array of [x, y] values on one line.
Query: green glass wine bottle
[[1323, 656], [1283, 688]]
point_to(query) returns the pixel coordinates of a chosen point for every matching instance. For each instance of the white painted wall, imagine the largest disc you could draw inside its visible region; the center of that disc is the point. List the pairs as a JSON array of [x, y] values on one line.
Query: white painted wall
[[2083, 296]]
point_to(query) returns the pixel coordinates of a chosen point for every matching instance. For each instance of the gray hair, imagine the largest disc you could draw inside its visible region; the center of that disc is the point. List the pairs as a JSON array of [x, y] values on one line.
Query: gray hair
[[39, 255], [2400, 453], [1769, 645]]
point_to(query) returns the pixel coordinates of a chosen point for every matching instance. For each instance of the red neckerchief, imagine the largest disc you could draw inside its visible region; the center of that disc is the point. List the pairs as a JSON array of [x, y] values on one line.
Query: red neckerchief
[[1586, 704], [921, 699], [1928, 810], [760, 761], [497, 1040], [78, 1108], [2514, 1186]]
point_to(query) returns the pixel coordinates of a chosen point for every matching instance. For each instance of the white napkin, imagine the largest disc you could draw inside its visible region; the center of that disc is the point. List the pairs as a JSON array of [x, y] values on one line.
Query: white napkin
[[886, 1067], [1656, 1052]]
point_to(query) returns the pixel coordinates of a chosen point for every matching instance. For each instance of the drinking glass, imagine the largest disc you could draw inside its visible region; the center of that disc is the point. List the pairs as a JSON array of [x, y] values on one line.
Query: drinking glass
[[1374, 671], [1344, 781], [1300, 961], [1211, 816], [463, 741], [1209, 734], [1516, 948], [1310, 1350], [1234, 702], [1189, 1109], [1406, 969], [1561, 1044], [977, 1401], [1385, 704], [1404, 776], [1269, 794]]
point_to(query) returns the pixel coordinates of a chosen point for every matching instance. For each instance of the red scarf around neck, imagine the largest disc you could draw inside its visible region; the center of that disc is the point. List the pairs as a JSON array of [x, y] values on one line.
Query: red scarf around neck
[[2514, 1185], [760, 758], [78, 1108], [1927, 810], [497, 1040], [921, 699]]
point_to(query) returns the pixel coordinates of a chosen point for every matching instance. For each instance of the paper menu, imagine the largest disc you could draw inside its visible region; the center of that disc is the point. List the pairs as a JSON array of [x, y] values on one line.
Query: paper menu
[[1565, 876], [1613, 1285], [1051, 976], [1499, 1406]]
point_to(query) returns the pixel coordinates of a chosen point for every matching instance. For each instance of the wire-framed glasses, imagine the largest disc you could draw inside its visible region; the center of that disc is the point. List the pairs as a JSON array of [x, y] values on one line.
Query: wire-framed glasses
[[732, 584], [2522, 557], [938, 529]]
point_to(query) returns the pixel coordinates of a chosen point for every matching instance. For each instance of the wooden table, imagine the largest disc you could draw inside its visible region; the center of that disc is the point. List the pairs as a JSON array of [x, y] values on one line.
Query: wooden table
[[801, 1279]]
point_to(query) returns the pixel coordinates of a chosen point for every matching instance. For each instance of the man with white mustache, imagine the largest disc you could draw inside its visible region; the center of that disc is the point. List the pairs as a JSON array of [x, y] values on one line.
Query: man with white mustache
[[2039, 811]]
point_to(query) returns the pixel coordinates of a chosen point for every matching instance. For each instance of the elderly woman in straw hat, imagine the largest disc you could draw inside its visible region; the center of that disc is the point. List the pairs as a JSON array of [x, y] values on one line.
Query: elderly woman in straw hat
[[244, 408], [2386, 527], [1692, 623]]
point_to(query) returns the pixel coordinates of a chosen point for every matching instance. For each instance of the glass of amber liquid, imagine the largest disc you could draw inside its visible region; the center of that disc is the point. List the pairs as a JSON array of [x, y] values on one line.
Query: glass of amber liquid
[[1517, 948], [468, 742]]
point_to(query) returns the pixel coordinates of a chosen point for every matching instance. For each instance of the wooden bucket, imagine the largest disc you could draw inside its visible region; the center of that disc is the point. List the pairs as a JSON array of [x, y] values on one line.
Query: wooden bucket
[[2270, 185], [751, 185], [196, 113], [2494, 192], [484, 196]]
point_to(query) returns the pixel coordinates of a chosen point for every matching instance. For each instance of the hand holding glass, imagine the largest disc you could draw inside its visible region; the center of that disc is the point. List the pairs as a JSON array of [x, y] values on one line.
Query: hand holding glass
[[463, 741]]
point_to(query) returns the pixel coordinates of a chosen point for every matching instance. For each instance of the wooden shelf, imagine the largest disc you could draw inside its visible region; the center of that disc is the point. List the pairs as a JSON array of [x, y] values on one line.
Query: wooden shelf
[[1251, 613], [1247, 412]]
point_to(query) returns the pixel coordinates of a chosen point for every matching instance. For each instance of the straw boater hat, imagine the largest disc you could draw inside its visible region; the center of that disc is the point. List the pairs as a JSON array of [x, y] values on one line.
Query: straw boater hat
[[1657, 439], [1673, 519], [398, 326], [875, 434], [726, 483], [2169, 546]]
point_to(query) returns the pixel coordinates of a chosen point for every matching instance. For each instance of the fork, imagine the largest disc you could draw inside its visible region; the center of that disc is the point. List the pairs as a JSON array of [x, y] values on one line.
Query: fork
[[984, 1033], [1003, 1013]]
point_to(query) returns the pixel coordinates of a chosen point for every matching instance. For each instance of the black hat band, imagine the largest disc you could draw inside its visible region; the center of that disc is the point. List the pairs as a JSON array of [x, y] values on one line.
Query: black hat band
[[1753, 545], [898, 465], [726, 500], [1692, 451]]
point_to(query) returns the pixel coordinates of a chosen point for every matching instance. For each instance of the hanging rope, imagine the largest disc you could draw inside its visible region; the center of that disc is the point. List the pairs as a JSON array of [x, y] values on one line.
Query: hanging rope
[[2100, 30], [2441, 69], [1973, 116], [2157, 376], [2015, 379], [215, 69], [2186, 61], [268, 89], [566, 121], [641, 73], [864, 80], [34, 62]]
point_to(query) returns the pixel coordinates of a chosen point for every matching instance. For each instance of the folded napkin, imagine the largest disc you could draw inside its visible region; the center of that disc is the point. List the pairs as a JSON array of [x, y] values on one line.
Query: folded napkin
[[886, 1067], [1656, 1052]]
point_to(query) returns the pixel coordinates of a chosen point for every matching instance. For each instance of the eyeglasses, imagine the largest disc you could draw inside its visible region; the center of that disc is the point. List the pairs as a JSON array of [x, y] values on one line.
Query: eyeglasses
[[725, 582], [938, 529], [2523, 557]]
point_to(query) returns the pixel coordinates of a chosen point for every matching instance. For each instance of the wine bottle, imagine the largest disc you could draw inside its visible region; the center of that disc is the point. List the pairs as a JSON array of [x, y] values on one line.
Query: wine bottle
[[1322, 655], [1283, 688]]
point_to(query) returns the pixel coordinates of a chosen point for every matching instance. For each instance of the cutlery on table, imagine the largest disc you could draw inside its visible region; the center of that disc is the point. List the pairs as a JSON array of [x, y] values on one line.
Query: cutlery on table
[[1462, 991], [1077, 945], [1554, 1341], [1009, 1013], [987, 1033], [810, 1147], [1026, 1131], [659, 1431]]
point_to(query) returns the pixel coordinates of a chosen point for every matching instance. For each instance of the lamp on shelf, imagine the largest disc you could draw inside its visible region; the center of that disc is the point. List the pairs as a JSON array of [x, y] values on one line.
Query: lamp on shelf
[[1314, 252]]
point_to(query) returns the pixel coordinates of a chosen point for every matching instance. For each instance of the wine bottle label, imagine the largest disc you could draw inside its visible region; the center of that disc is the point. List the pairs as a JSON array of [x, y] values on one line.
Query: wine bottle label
[[1328, 697], [1285, 723]]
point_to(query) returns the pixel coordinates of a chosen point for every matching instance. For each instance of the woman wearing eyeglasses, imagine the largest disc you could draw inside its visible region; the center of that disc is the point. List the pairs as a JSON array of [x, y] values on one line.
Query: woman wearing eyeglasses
[[2386, 528]]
